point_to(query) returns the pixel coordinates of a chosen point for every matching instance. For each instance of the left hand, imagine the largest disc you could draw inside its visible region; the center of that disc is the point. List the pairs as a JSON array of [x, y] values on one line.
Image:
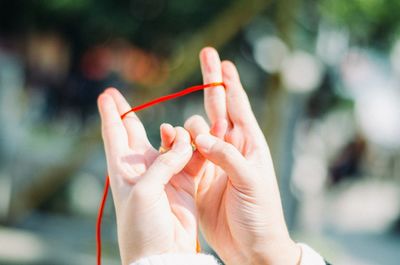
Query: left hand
[[154, 199]]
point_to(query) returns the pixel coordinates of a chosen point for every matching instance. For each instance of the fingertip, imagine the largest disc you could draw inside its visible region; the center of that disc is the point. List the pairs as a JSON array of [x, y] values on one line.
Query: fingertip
[[187, 123], [210, 61], [107, 96], [196, 125], [111, 90], [166, 127], [113, 131], [182, 134], [208, 51], [229, 71], [193, 119], [167, 131], [228, 64], [118, 97], [104, 100], [100, 98]]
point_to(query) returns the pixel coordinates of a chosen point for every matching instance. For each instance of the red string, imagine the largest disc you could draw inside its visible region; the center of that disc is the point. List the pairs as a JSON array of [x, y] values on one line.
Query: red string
[[99, 218], [107, 182], [172, 96]]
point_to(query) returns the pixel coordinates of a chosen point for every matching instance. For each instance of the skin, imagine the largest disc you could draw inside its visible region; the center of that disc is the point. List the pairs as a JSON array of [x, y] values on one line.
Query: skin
[[246, 223], [153, 196], [160, 197]]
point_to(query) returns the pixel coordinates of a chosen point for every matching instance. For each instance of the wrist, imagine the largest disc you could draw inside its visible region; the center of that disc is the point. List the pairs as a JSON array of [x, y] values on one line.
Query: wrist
[[277, 253]]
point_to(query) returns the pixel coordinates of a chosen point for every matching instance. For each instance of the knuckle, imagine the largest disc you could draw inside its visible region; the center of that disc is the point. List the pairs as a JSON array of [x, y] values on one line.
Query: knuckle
[[226, 152], [169, 159], [139, 191]]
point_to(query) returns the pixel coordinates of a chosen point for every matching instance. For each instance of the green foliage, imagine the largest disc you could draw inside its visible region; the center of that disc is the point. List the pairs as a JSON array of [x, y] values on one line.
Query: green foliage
[[368, 20], [66, 5]]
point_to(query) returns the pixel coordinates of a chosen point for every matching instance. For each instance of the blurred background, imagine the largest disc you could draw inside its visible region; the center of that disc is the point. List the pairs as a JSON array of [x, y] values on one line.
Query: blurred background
[[323, 78]]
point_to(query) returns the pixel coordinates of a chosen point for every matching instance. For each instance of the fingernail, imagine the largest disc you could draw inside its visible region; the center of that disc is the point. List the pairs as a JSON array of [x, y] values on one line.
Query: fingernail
[[205, 142], [165, 125]]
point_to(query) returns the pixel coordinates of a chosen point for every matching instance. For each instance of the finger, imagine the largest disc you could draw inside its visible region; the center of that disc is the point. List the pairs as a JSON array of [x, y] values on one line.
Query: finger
[[225, 156], [238, 105], [196, 125], [214, 98], [171, 162], [219, 128], [136, 133], [168, 134], [113, 131]]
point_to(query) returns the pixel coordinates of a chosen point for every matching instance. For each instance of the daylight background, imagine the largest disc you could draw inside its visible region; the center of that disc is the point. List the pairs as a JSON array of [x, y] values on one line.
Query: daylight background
[[323, 78]]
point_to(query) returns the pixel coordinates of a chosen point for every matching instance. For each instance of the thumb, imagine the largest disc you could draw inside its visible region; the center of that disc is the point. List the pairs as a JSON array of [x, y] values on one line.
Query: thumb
[[172, 162], [226, 156]]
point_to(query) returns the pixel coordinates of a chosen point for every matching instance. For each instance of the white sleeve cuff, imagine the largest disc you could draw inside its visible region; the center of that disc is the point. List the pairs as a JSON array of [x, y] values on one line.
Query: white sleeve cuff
[[310, 256], [178, 259]]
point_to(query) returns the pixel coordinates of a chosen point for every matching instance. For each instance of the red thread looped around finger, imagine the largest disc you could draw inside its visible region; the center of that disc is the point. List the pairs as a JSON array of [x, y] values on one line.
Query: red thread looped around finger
[[107, 181], [172, 96]]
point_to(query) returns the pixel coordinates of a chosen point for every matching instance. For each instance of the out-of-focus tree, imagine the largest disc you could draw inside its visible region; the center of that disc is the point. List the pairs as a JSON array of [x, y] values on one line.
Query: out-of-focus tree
[[369, 21]]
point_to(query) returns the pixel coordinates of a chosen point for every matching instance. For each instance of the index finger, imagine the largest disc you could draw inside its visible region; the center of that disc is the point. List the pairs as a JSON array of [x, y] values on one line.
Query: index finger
[[136, 133], [214, 98], [113, 131]]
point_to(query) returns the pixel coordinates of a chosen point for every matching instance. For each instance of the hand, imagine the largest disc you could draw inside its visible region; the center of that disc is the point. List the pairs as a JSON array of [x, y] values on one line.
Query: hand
[[238, 199], [154, 198]]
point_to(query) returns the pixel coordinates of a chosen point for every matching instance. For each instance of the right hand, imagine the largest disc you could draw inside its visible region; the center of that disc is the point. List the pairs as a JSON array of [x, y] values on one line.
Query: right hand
[[238, 198]]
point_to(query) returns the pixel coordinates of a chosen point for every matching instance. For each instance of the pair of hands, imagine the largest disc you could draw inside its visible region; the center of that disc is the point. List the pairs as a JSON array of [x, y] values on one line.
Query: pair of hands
[[227, 185]]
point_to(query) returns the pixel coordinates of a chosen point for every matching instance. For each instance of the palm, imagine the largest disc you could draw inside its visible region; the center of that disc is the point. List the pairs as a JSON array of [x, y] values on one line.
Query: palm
[[174, 209], [222, 223]]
